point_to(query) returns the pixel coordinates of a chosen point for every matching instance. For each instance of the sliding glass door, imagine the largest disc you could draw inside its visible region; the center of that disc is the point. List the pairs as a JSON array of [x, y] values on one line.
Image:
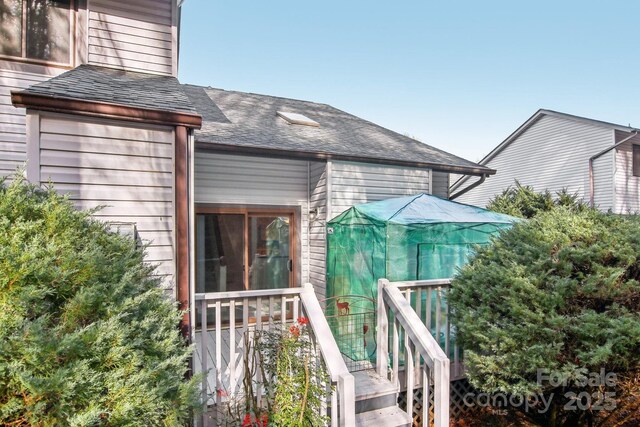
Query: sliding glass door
[[242, 249]]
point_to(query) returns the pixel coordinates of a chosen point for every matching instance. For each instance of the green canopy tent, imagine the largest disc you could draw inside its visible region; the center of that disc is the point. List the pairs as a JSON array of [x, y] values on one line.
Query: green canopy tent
[[406, 238]]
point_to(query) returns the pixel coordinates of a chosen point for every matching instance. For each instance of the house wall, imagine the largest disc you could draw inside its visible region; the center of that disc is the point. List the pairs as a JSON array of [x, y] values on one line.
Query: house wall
[[125, 167], [247, 180], [553, 153], [353, 183], [627, 186], [440, 184], [13, 148], [134, 35], [317, 229]]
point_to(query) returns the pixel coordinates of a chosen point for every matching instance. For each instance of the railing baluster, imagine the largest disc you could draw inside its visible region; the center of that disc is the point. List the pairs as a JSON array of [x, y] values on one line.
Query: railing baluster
[[438, 314], [232, 346], [283, 310], [409, 374], [203, 360], [271, 313], [296, 303], [395, 378], [426, 410], [427, 321], [416, 362], [218, 331]]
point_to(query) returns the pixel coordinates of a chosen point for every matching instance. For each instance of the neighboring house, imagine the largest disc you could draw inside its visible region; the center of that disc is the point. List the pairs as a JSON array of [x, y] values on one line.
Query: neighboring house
[[598, 161], [230, 190]]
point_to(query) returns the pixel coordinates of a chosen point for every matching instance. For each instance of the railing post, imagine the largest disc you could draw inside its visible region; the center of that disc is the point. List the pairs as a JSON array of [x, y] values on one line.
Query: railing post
[[347, 398], [382, 332], [441, 392]]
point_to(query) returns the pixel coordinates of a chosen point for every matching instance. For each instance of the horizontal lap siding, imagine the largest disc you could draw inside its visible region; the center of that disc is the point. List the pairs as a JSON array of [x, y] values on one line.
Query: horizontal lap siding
[[131, 35], [125, 168], [247, 180], [354, 183], [317, 230], [553, 153], [12, 120], [627, 186], [440, 184]]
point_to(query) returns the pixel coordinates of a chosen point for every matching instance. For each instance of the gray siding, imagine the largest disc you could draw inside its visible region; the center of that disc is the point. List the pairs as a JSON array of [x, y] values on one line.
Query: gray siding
[[317, 229], [135, 35], [353, 183], [124, 167], [553, 153], [246, 180], [13, 150], [440, 184], [627, 186]]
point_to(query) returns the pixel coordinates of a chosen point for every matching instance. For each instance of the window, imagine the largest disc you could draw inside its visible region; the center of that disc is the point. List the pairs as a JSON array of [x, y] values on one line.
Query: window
[[636, 160], [36, 29]]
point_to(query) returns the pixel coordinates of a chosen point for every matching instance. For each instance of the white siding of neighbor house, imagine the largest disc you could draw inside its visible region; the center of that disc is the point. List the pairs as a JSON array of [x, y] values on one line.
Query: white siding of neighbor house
[[440, 184], [353, 183], [134, 35], [627, 186], [247, 180], [553, 153], [317, 228], [13, 149], [126, 168]]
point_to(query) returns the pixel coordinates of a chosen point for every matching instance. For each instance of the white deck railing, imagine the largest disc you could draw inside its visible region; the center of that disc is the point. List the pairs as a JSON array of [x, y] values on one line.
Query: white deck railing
[[424, 360], [220, 346]]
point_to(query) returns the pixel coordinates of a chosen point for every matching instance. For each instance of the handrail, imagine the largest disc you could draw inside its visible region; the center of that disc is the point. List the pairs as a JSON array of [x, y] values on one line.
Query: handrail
[[214, 296], [331, 354], [416, 334], [423, 283]]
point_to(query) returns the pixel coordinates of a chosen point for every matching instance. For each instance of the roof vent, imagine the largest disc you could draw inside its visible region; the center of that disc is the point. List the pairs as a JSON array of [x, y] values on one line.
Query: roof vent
[[297, 119]]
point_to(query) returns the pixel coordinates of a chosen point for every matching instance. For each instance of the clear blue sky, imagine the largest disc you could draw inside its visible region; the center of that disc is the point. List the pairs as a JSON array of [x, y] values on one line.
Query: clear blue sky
[[459, 75]]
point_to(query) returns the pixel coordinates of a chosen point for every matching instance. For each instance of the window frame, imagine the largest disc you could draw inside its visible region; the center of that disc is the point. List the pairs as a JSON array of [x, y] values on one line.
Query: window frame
[[635, 160], [23, 47]]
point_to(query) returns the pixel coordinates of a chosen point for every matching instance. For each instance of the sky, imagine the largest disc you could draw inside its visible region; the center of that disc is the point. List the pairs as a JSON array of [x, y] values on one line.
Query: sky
[[458, 75]]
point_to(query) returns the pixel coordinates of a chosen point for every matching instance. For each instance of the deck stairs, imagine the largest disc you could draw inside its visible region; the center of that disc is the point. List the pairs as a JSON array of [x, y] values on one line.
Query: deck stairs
[[376, 402]]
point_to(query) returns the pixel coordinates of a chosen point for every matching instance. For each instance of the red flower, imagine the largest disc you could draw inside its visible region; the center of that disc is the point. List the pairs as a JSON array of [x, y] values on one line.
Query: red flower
[[265, 420], [295, 331], [303, 321], [247, 421]]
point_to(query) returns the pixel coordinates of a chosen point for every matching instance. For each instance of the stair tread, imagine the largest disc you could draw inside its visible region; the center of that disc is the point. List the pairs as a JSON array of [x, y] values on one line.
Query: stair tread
[[369, 384], [391, 416]]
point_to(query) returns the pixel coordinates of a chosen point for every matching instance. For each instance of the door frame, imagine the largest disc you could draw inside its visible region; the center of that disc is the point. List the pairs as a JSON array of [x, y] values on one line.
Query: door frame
[[246, 210]]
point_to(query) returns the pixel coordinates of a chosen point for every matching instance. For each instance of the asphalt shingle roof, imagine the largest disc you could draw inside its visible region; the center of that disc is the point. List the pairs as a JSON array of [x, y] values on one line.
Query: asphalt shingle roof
[[249, 122], [128, 88]]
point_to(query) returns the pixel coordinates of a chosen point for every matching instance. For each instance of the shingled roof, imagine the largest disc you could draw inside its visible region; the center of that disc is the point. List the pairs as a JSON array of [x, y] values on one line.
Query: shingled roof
[[248, 122], [128, 88]]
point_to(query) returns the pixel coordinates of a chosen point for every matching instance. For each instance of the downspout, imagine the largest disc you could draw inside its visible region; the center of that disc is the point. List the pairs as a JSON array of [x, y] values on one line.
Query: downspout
[[469, 188], [592, 196]]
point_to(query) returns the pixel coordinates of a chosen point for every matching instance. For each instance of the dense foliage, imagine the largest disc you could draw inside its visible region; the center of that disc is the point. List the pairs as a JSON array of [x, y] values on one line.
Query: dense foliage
[[86, 335], [524, 202], [560, 294]]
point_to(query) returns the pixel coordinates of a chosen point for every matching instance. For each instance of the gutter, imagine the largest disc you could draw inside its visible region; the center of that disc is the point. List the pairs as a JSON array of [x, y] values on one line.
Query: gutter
[[483, 177], [593, 158]]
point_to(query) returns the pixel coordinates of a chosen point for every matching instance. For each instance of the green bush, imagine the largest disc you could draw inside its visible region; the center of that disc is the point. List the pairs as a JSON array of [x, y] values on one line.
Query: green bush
[[86, 335], [524, 202], [558, 293]]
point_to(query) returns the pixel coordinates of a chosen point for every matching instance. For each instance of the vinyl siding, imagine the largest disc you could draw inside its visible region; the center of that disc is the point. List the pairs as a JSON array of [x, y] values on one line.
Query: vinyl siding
[[317, 229], [128, 169], [553, 153], [13, 149], [353, 183], [440, 184], [627, 186], [246, 180], [137, 36]]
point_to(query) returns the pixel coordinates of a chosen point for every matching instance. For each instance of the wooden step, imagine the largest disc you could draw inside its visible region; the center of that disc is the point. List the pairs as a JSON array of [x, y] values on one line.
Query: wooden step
[[373, 391], [391, 416]]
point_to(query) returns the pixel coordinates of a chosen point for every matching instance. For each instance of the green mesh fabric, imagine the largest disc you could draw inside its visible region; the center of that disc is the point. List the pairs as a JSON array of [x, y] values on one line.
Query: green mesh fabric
[[405, 238]]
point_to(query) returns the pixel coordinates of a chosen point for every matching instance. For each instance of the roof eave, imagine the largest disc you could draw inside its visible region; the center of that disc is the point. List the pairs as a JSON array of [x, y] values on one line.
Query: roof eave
[[102, 109], [309, 155]]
